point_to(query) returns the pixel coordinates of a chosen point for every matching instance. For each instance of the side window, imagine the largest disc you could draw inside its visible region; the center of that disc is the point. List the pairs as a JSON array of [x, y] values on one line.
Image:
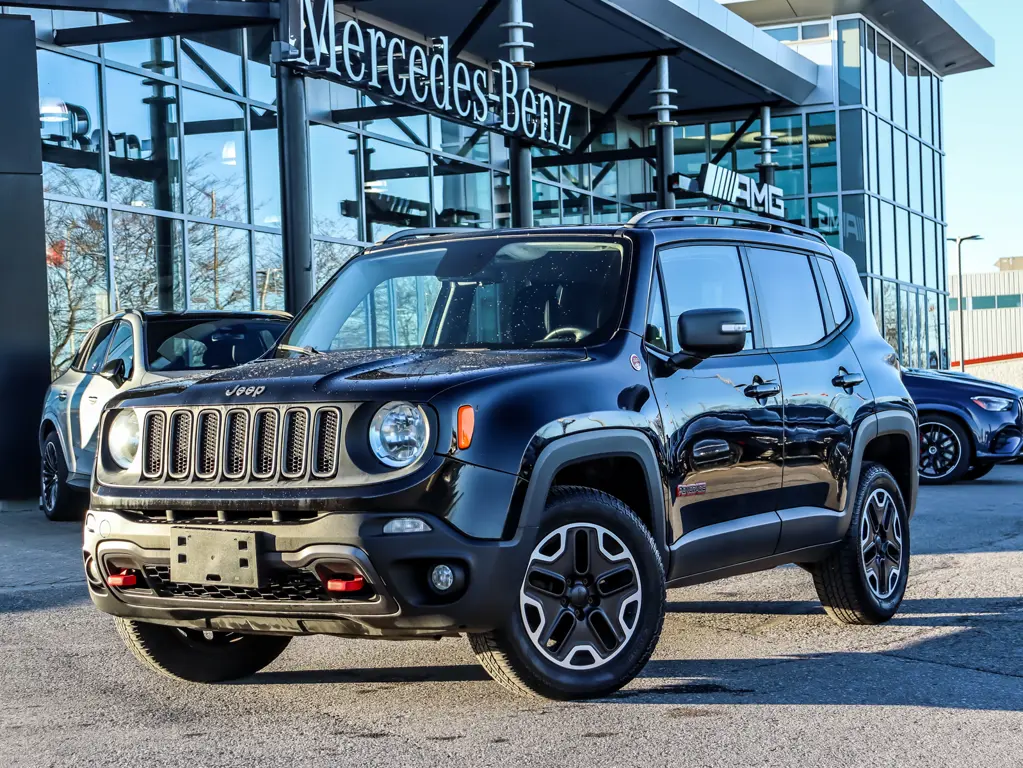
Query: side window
[[833, 287], [656, 322], [122, 347], [703, 277], [99, 349], [790, 308], [84, 351]]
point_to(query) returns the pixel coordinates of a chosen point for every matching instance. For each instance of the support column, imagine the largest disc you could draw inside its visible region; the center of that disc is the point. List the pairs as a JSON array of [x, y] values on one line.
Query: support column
[[664, 135], [296, 204], [159, 118], [520, 159], [766, 166]]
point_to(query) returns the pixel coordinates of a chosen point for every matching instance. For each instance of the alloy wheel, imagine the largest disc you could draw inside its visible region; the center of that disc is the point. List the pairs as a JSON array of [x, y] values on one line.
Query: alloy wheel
[[940, 450], [580, 598], [881, 544], [50, 477]]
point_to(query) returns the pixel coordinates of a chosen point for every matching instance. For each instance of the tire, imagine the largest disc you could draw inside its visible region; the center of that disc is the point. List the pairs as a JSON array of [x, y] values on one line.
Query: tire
[[977, 472], [844, 585], [945, 450], [59, 501], [602, 624], [196, 656]]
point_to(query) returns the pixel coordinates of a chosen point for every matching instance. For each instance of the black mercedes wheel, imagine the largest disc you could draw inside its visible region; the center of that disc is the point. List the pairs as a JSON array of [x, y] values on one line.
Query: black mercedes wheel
[[944, 451], [59, 501]]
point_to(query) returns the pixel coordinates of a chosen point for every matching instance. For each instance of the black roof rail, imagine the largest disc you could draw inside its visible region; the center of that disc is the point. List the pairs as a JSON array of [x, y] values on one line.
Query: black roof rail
[[648, 219], [421, 232]]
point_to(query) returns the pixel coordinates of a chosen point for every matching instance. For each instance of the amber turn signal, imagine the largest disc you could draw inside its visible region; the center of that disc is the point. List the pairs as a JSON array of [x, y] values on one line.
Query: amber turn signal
[[466, 424]]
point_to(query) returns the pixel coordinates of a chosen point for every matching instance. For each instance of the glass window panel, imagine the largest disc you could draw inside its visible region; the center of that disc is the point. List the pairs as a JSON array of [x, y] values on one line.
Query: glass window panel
[[939, 186], [824, 218], [213, 59], [149, 262], [932, 267], [854, 229], [850, 61], [266, 174], [874, 257], [142, 116], [334, 169], [915, 177], [936, 105], [328, 258], [872, 152], [397, 188], [888, 248], [816, 31], [910, 327], [927, 163], [789, 143], [411, 128], [576, 208], [871, 69], [823, 152], [913, 96], [902, 246], [784, 34], [502, 200], [890, 313], [901, 172], [262, 86], [70, 128], [745, 152], [899, 86], [268, 256], [917, 234], [852, 148], [884, 76], [461, 194], [702, 277], [790, 307], [886, 181], [605, 212], [219, 267], [795, 210], [76, 273], [933, 332], [941, 259], [833, 289], [466, 141], [215, 184], [604, 176], [720, 133], [156, 55], [71, 20], [546, 204], [926, 113], [690, 149], [578, 127]]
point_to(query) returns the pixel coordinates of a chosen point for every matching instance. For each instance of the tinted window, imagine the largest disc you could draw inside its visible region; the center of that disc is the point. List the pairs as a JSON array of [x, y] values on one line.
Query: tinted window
[[656, 322], [787, 294], [703, 277], [99, 348], [204, 344], [833, 287], [122, 347]]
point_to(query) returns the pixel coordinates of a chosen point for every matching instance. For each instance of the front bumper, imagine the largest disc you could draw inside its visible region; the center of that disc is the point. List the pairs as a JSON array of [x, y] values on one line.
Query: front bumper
[[293, 559]]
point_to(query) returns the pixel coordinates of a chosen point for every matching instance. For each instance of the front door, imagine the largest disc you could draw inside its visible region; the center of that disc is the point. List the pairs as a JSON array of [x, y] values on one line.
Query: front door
[[722, 420], [81, 408]]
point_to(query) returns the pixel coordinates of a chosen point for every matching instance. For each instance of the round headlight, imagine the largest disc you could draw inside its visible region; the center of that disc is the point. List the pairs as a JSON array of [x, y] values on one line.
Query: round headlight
[[398, 434], [123, 438]]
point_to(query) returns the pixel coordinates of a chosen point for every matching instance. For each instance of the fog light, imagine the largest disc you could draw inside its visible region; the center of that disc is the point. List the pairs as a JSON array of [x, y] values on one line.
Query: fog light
[[442, 578], [406, 525]]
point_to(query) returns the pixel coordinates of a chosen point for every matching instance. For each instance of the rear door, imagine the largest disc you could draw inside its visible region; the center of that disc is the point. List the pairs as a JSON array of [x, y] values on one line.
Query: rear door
[[79, 404], [825, 392], [722, 420]]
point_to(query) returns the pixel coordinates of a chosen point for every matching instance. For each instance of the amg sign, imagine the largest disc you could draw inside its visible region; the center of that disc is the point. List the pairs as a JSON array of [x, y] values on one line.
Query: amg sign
[[736, 189], [424, 76]]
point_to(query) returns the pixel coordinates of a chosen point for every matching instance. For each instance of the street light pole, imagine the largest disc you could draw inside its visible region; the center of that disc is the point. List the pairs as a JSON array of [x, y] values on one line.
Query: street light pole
[[962, 307]]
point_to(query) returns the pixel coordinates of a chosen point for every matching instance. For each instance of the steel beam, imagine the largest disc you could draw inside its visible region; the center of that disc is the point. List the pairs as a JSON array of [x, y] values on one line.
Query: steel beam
[[246, 13], [147, 27], [736, 137], [386, 112], [602, 122], [484, 13], [587, 61], [604, 156]]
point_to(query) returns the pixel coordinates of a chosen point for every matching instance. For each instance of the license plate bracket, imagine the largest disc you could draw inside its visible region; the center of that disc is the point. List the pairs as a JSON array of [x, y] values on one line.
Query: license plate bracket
[[202, 556]]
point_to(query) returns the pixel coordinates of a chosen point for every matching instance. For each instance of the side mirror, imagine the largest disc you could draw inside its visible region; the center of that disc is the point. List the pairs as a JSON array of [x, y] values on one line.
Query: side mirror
[[115, 371], [704, 333]]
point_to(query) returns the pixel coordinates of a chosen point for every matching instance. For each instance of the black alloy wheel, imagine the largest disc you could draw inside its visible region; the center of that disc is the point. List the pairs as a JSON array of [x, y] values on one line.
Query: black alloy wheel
[[58, 500], [944, 451], [881, 544]]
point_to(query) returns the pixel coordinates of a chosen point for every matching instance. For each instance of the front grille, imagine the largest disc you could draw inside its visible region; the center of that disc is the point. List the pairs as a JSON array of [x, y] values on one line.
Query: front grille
[[238, 444], [293, 586]]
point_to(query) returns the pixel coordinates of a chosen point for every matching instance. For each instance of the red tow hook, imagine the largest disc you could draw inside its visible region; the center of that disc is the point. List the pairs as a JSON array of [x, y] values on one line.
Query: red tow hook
[[124, 580], [346, 583]]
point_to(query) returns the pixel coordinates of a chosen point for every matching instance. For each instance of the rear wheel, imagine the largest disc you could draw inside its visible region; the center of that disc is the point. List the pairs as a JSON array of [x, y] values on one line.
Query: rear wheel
[[944, 451], [59, 501], [197, 656], [590, 607], [977, 472]]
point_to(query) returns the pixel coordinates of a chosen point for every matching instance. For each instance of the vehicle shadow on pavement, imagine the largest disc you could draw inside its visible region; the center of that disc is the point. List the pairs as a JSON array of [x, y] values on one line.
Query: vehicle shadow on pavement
[[453, 673]]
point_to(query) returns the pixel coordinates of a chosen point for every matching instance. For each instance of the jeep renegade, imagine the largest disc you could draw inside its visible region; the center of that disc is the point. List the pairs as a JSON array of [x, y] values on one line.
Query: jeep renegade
[[522, 436]]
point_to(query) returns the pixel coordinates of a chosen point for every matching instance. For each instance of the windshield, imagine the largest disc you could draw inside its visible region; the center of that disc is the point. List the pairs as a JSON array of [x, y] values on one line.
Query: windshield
[[184, 344], [489, 292]]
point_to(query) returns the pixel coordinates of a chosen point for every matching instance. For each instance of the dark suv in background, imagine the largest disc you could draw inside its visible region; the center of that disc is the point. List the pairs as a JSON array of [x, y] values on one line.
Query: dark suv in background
[[524, 436]]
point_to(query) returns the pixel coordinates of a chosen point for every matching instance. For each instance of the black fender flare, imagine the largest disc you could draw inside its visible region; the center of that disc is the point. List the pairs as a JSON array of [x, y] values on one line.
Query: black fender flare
[[881, 424], [596, 444]]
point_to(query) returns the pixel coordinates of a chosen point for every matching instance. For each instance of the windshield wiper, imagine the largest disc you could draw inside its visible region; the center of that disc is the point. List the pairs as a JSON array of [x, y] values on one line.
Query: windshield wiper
[[305, 351]]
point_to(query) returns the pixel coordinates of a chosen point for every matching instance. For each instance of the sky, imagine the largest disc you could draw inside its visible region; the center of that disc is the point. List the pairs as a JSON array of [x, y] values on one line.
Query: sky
[[982, 165]]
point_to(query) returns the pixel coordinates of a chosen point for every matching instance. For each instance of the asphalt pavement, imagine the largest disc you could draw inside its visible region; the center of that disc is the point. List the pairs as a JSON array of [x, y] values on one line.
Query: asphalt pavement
[[749, 672]]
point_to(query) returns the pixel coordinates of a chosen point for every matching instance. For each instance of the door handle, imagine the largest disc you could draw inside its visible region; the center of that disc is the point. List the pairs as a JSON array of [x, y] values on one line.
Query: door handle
[[93, 398], [709, 452], [761, 390], [62, 395], [847, 380]]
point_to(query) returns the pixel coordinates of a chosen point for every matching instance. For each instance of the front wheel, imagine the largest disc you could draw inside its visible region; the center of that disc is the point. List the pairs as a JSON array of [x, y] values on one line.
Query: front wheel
[[197, 656], [944, 451], [590, 604]]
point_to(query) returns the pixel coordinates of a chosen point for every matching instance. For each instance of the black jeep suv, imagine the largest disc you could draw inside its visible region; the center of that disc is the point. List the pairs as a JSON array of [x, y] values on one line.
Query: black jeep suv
[[521, 436]]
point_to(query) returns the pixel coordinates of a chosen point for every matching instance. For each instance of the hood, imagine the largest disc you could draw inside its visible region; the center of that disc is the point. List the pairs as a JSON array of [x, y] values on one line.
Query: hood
[[963, 381], [359, 375]]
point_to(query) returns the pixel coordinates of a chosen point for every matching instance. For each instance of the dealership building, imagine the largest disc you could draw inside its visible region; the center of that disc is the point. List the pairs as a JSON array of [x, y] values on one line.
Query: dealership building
[[233, 154]]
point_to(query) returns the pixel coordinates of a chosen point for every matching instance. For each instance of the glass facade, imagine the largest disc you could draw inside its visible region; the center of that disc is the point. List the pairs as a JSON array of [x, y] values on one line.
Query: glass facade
[[162, 176]]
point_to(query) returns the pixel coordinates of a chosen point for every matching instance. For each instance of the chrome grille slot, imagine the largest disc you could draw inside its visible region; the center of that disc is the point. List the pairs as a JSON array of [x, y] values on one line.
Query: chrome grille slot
[[264, 444], [180, 444], [296, 433], [207, 445], [325, 448], [236, 433], [152, 464]]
